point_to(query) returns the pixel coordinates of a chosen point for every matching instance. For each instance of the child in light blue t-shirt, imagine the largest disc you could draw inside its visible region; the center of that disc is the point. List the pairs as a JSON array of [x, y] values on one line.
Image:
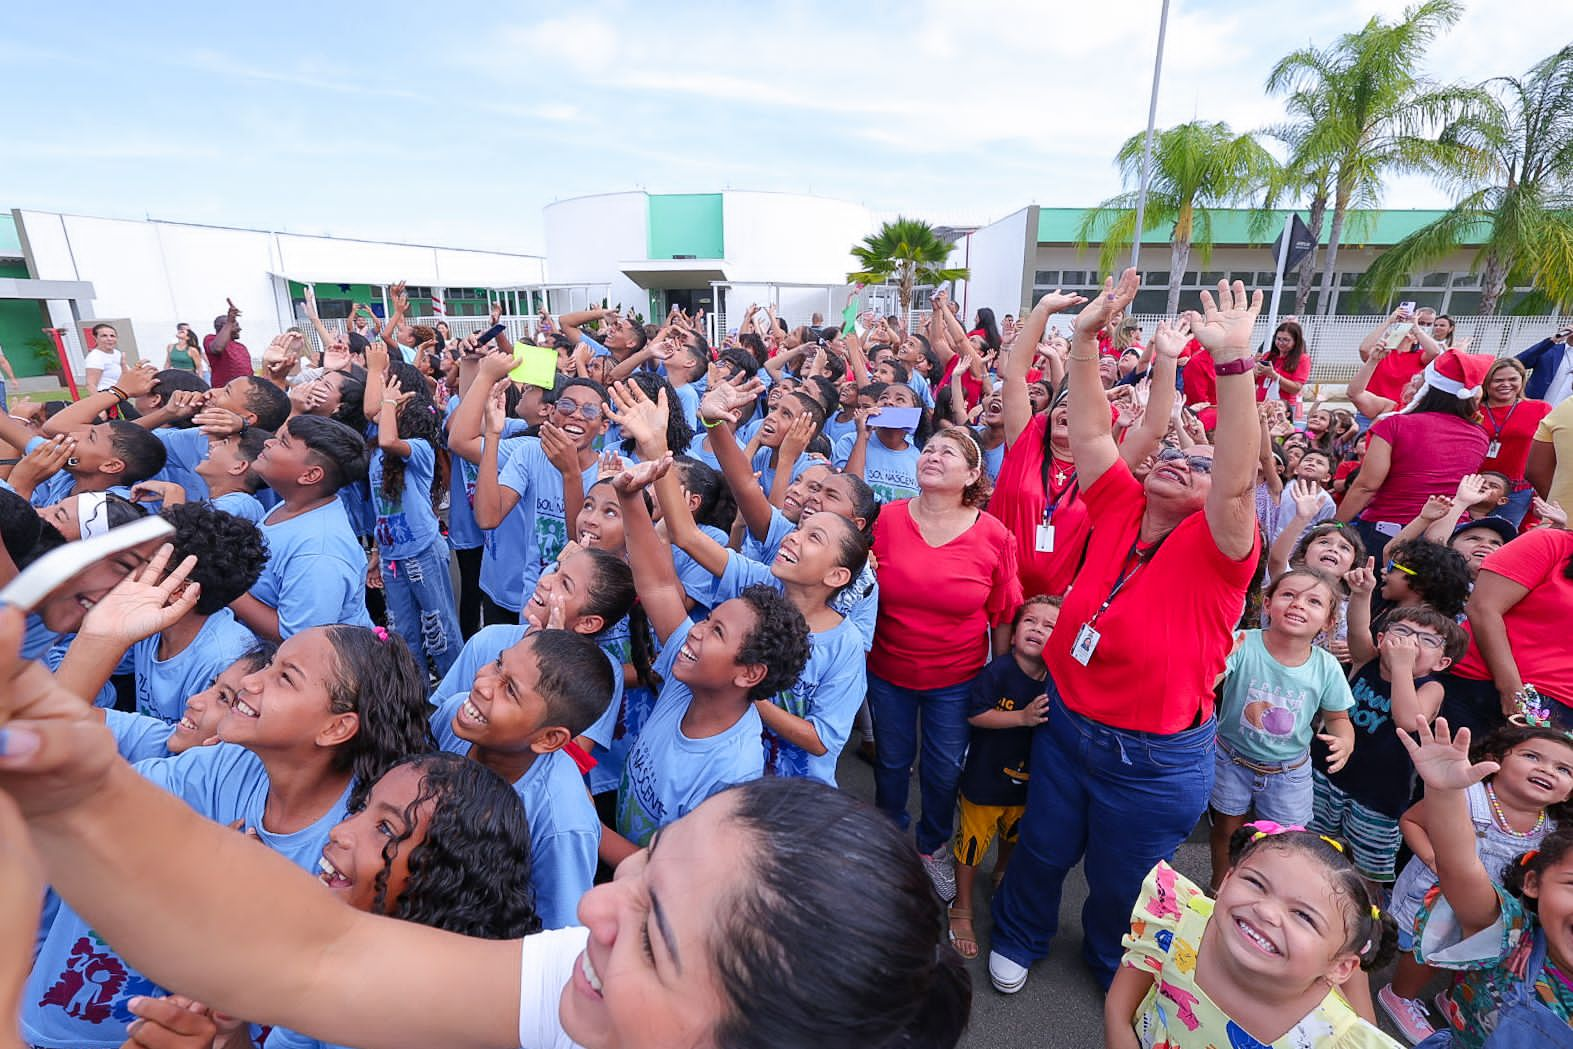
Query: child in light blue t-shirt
[[887, 460], [1276, 686]]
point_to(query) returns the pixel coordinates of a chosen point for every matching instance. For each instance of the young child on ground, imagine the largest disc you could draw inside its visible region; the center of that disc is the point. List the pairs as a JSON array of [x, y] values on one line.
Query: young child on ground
[[1007, 702], [1275, 687], [1511, 940], [1511, 810], [1394, 682], [1259, 965], [519, 713], [408, 472]]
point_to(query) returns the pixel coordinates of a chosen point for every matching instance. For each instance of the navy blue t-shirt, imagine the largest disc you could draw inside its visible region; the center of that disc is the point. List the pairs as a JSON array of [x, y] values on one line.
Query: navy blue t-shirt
[[996, 769]]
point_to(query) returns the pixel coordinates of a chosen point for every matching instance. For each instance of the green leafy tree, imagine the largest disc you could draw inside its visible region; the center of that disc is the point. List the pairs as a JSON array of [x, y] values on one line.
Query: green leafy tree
[[1520, 211], [907, 251], [1377, 113], [1196, 167]]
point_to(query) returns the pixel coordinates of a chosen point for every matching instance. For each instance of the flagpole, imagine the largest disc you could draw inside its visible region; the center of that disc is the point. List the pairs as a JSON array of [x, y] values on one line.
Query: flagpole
[[1152, 118], [1278, 278]]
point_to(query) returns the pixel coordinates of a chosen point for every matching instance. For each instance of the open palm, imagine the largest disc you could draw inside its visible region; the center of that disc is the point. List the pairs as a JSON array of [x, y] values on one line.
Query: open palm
[[1224, 326], [641, 418], [1441, 762], [144, 603]]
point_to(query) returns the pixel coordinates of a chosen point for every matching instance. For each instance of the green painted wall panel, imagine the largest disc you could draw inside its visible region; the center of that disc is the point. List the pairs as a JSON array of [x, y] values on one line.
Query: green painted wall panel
[[21, 323], [1232, 226], [686, 224]]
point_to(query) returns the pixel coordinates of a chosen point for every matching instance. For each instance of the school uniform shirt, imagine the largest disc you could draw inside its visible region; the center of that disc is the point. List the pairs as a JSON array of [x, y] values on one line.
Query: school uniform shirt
[[38, 638], [406, 523], [766, 469], [504, 547], [697, 580], [183, 450], [668, 774], [463, 532], [826, 694], [1537, 627], [1165, 637], [1267, 708], [164, 685], [540, 488], [358, 508], [1378, 773], [995, 772], [892, 473], [316, 570], [565, 832], [836, 431], [240, 504], [1020, 500], [76, 995], [857, 601], [55, 655], [993, 458], [937, 604], [138, 736]]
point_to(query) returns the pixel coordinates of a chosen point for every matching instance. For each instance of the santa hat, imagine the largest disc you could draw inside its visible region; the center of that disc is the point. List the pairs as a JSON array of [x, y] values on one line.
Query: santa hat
[[1461, 374]]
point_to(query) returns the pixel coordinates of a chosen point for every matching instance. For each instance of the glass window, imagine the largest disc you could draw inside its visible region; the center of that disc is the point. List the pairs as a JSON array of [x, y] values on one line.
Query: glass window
[[1069, 278], [1435, 280], [1349, 280], [1046, 278], [1156, 279], [1189, 279], [1265, 278], [1464, 302], [1210, 278], [1465, 280], [1150, 301]]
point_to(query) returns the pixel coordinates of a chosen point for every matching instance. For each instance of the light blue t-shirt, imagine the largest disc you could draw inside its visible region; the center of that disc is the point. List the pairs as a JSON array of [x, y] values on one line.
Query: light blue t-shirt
[[138, 736], [463, 532], [240, 504], [697, 580], [767, 472], [55, 655], [406, 524], [892, 474], [358, 508], [76, 995], [667, 774], [505, 545], [163, 686], [316, 570], [921, 387], [836, 431], [826, 695], [38, 639], [858, 601], [183, 449], [540, 485], [1266, 710], [565, 832], [993, 459], [688, 396]]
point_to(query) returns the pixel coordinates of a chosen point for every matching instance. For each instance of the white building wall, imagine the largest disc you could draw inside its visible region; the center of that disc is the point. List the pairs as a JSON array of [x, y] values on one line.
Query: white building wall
[[791, 237], [587, 238], [997, 256]]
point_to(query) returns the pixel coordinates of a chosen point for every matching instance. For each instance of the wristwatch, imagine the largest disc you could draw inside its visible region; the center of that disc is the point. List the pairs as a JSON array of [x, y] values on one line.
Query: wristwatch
[[1237, 367]]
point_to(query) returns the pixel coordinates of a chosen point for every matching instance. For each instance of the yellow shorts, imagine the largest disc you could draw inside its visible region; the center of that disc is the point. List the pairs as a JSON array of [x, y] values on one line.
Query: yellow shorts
[[979, 824]]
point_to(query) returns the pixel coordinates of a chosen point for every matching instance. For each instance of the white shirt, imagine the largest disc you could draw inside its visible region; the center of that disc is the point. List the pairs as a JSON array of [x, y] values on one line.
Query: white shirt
[[547, 964], [108, 362]]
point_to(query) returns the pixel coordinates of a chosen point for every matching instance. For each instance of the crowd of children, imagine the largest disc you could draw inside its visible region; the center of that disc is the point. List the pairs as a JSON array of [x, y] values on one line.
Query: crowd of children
[[1124, 585]]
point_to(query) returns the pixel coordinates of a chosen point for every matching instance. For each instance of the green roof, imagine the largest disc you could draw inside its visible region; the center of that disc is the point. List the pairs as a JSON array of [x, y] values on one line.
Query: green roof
[[1233, 226], [10, 243]]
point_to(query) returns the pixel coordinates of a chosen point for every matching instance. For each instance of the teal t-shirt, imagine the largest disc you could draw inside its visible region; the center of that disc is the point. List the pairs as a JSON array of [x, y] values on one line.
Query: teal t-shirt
[[1267, 708]]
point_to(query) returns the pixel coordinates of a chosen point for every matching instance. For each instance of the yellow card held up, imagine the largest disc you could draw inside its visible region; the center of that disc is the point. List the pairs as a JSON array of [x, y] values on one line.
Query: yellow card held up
[[536, 365]]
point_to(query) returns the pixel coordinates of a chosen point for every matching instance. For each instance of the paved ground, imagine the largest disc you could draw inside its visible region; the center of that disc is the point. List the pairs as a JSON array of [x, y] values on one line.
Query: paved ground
[[1061, 1007]]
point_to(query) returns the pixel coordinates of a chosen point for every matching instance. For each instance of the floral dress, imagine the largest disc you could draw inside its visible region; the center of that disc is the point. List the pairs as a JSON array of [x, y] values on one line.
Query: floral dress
[[1166, 930]]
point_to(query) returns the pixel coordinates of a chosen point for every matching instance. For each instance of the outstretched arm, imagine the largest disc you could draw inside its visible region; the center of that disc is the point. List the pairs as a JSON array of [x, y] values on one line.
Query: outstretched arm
[[1092, 438], [722, 405], [650, 556], [1224, 328], [1443, 764]]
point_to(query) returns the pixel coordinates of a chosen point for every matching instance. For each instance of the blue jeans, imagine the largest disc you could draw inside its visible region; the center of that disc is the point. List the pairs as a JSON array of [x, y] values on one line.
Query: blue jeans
[[419, 596], [943, 713], [1120, 800]]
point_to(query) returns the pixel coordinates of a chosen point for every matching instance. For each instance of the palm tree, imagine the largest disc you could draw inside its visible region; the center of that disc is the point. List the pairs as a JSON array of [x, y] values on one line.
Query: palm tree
[[1378, 113], [1521, 211], [1195, 167], [908, 250]]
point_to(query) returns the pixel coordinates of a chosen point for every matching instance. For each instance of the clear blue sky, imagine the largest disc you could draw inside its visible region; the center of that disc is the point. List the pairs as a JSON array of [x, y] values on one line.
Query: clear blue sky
[[455, 123]]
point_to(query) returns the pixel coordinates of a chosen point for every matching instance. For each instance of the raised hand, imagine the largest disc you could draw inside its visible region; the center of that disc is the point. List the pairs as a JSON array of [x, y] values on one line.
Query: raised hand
[[642, 475], [1362, 578], [1400, 653], [798, 434], [496, 312], [1550, 513], [641, 418], [1058, 301], [1170, 338], [165, 492], [139, 381], [377, 357], [559, 448], [336, 357], [1224, 326], [309, 302], [1443, 762], [394, 391], [218, 422], [42, 462], [1116, 295], [1471, 489], [231, 310], [145, 602], [1307, 496], [496, 408], [493, 367], [1436, 508]]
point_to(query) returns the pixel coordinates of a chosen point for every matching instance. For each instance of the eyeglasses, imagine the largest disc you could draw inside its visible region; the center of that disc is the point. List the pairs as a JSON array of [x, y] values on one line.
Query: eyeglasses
[[1394, 566], [1426, 640], [587, 411], [1199, 463]]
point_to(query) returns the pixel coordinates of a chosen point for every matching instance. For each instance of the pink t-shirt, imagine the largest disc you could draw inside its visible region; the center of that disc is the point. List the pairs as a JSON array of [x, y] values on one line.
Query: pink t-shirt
[[1431, 451], [1536, 626]]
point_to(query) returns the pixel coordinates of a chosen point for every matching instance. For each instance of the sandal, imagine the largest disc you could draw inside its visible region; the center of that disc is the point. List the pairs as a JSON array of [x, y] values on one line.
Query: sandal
[[966, 944]]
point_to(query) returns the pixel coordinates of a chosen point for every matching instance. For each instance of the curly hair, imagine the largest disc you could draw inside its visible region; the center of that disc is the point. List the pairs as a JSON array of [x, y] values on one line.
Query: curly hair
[[380, 681], [418, 420], [977, 493], [1371, 932], [470, 874], [1437, 573], [1503, 741], [679, 434], [230, 552], [886, 979], [1553, 850], [778, 642]]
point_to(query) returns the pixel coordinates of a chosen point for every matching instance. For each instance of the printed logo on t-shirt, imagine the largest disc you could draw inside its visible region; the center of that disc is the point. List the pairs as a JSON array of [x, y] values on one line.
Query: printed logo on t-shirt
[[1272, 710], [1370, 711], [783, 758], [640, 810], [95, 984], [551, 529]]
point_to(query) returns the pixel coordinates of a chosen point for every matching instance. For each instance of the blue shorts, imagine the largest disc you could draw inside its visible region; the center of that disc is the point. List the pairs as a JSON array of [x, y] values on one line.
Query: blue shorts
[[1282, 795], [1373, 838]]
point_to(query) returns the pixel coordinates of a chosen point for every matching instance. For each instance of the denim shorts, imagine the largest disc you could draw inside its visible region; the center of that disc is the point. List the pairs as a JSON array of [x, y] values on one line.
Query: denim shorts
[[1283, 796]]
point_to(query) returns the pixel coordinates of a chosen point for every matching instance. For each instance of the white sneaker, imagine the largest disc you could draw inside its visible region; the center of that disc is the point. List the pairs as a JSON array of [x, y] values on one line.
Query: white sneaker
[[941, 872], [1007, 976], [1409, 1015]]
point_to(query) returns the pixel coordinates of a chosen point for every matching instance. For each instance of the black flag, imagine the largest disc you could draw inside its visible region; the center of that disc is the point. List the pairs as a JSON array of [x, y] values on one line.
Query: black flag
[[1301, 243]]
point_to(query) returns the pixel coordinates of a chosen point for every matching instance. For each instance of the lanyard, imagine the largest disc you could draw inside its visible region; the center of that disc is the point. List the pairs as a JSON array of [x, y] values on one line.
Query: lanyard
[[1496, 431], [1127, 573], [1067, 493]]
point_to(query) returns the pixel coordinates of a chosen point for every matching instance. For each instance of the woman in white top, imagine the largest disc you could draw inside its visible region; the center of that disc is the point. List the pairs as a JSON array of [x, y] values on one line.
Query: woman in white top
[[779, 913], [104, 361]]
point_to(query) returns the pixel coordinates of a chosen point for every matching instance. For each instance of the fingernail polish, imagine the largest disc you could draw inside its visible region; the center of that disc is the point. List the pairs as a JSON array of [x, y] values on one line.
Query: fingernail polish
[[18, 742]]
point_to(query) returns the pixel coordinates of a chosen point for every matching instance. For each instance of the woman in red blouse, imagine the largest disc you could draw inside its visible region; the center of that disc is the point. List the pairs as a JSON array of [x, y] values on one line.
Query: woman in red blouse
[[1509, 420], [1285, 367], [948, 588]]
